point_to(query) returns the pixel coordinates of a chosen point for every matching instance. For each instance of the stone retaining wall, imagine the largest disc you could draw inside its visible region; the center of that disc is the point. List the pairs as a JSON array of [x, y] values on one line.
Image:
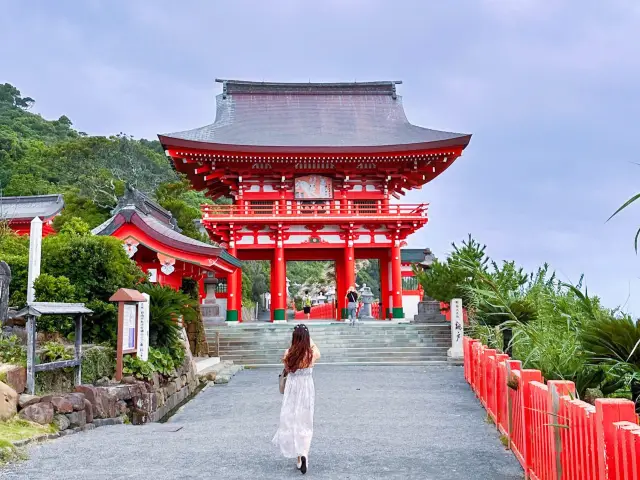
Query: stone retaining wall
[[139, 401]]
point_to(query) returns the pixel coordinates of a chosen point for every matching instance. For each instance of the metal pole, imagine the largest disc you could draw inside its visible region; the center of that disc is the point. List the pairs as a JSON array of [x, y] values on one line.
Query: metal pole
[[31, 354], [78, 345]]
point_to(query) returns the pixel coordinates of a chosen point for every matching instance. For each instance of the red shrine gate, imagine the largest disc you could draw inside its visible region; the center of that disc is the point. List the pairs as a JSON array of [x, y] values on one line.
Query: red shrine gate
[[312, 169]]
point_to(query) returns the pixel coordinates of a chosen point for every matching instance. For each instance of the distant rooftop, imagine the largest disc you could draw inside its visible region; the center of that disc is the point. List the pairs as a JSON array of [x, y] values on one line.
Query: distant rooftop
[[423, 256], [299, 116], [137, 208], [27, 208]]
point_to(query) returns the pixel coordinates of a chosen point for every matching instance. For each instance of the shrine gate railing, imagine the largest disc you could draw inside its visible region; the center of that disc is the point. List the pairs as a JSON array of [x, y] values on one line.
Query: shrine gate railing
[[322, 209], [553, 435], [327, 311]]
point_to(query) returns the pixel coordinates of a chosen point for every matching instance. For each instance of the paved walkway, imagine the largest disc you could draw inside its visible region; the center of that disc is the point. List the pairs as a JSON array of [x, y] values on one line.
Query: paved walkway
[[371, 422]]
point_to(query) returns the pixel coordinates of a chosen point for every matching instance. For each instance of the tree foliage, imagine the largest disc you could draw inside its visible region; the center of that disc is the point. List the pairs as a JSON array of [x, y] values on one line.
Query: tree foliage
[[450, 278]]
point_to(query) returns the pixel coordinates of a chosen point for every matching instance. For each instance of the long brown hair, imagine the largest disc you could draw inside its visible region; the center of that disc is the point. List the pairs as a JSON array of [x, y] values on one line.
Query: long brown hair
[[300, 354]]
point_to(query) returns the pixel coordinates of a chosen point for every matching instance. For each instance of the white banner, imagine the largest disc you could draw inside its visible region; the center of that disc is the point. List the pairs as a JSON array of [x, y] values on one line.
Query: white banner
[[143, 328], [129, 327]]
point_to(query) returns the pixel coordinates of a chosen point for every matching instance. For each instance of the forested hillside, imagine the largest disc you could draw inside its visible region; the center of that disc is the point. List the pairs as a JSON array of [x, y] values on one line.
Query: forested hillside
[[39, 156]]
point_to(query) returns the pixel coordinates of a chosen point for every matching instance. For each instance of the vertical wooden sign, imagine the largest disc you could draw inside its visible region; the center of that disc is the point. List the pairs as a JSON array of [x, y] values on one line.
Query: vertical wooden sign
[[129, 302]]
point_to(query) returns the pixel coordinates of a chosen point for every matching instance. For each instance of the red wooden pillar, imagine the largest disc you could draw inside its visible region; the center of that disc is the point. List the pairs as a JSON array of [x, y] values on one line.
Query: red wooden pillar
[[202, 291], [385, 292], [233, 292], [239, 293], [279, 285], [341, 290], [396, 281]]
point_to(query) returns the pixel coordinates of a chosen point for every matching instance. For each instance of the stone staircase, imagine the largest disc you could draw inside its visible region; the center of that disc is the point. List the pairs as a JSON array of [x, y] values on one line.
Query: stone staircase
[[364, 344]]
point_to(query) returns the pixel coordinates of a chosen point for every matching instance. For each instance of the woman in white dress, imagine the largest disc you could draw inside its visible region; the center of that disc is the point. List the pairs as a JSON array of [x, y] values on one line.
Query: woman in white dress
[[296, 416]]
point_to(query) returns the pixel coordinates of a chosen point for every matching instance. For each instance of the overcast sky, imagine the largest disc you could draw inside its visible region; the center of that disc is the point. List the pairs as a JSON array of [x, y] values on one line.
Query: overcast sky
[[549, 89]]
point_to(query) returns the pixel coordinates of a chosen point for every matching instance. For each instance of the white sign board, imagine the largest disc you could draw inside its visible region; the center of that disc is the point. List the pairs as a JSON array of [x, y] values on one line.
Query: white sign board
[[457, 329], [143, 328], [129, 327], [153, 275]]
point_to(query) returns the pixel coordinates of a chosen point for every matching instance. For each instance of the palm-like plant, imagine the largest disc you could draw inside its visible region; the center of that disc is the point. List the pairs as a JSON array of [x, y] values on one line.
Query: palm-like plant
[[625, 205], [615, 342], [167, 306]]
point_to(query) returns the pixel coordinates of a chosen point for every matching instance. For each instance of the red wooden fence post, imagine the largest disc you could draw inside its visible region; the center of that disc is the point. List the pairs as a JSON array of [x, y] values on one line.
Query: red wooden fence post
[[608, 412], [527, 376], [512, 366], [499, 389], [557, 389], [487, 352]]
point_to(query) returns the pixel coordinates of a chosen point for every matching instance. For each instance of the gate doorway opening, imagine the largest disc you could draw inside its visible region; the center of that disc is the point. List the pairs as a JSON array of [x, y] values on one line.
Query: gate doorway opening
[[311, 284]]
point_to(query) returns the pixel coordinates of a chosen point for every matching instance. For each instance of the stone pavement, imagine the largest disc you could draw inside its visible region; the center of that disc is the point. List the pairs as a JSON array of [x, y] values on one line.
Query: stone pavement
[[371, 422]]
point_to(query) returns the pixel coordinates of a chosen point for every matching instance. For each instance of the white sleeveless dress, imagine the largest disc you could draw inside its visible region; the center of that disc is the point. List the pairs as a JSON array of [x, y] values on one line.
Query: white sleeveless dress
[[296, 415]]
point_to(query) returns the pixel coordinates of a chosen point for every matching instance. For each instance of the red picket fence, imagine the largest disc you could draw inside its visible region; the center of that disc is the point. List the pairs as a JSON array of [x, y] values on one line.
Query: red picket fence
[[553, 435], [446, 311], [322, 311], [326, 311]]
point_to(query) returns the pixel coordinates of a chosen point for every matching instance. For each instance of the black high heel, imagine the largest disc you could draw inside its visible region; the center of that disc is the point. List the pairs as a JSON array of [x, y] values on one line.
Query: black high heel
[[303, 467]]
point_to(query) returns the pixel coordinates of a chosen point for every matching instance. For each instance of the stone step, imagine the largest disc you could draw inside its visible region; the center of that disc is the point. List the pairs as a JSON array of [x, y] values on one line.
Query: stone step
[[346, 351], [333, 344], [397, 359], [385, 343], [354, 333]]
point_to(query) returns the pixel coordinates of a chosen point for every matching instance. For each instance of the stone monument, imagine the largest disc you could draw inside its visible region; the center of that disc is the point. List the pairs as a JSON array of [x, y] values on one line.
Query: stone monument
[[5, 280], [429, 312], [210, 309], [456, 352], [366, 295]]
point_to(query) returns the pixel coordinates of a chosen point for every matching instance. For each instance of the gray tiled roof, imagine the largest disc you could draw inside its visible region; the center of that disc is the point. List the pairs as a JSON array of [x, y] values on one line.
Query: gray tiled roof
[[43, 206], [52, 308], [312, 115], [138, 208], [416, 255]]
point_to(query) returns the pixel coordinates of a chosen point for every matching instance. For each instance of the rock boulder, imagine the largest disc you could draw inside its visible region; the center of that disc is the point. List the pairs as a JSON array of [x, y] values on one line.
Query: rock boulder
[[88, 410], [77, 419], [25, 400], [15, 376], [8, 402], [41, 413], [61, 404], [61, 421]]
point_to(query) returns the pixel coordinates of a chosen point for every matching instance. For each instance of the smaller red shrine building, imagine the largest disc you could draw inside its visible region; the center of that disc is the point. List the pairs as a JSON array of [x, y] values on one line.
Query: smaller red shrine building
[[20, 211], [151, 237]]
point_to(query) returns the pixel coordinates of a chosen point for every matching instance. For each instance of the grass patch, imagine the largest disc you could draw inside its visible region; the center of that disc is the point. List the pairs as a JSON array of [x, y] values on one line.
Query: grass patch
[[489, 420], [504, 440], [9, 453], [19, 429]]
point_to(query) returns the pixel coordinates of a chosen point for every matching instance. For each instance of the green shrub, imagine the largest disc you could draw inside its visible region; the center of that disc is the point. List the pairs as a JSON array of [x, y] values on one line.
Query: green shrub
[[160, 361], [12, 351], [55, 289], [138, 368], [98, 362], [167, 305], [55, 351]]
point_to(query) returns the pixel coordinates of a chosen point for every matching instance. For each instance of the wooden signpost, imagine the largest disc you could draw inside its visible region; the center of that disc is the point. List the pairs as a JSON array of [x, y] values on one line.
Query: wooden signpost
[[133, 308]]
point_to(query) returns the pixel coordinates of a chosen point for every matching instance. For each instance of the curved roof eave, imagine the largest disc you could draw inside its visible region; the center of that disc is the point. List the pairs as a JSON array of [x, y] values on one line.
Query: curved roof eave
[[461, 141]]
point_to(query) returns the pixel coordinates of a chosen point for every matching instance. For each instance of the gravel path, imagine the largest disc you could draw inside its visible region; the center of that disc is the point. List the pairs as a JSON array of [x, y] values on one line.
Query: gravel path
[[371, 422]]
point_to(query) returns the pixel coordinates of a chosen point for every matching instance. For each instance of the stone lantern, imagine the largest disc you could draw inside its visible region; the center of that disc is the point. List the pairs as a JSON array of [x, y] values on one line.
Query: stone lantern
[[210, 307], [366, 295]]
